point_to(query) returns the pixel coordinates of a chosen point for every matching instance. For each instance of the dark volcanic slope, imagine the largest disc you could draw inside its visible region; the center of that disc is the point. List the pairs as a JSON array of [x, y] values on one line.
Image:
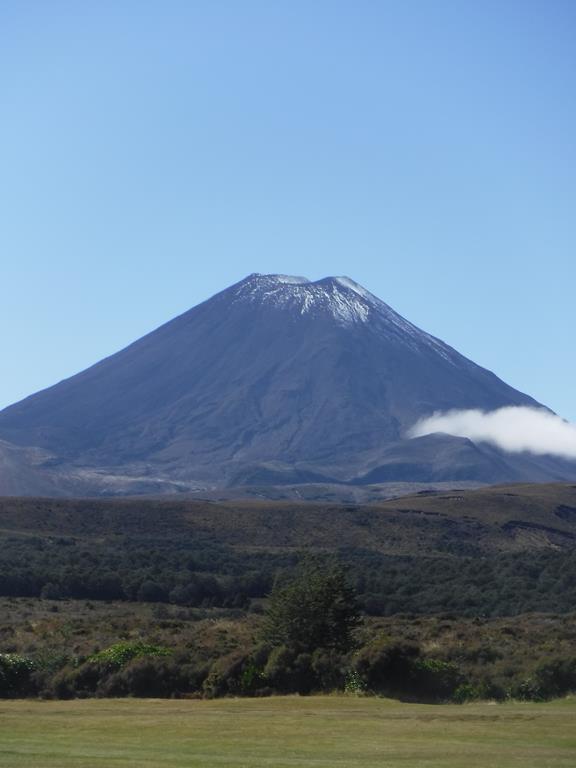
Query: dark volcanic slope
[[275, 375]]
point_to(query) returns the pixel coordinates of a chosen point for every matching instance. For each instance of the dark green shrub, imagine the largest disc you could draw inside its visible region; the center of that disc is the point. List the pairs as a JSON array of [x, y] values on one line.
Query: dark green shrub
[[147, 676], [288, 670], [435, 680], [15, 673], [484, 690], [386, 667], [150, 676], [550, 680], [81, 681], [397, 669], [466, 692], [226, 675], [527, 690], [329, 670], [557, 677], [63, 685], [278, 670], [95, 675]]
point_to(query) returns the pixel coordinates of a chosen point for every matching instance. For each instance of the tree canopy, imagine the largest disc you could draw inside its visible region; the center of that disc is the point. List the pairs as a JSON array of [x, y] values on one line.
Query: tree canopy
[[317, 608]]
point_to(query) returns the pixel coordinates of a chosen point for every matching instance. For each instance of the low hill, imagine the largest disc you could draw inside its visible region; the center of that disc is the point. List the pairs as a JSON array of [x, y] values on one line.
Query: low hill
[[497, 519]]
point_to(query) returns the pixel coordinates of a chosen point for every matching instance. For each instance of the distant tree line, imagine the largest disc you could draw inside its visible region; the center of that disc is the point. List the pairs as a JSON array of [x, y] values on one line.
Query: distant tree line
[[205, 573]]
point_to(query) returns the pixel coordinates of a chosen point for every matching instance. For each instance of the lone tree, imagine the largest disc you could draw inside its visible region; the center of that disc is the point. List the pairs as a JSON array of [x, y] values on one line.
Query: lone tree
[[317, 608]]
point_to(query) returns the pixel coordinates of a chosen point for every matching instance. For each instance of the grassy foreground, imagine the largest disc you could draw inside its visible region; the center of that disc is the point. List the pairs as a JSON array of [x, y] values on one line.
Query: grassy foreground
[[323, 732]]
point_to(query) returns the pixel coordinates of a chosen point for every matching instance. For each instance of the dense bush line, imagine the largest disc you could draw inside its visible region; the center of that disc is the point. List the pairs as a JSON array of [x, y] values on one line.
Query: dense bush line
[[381, 668], [203, 573]]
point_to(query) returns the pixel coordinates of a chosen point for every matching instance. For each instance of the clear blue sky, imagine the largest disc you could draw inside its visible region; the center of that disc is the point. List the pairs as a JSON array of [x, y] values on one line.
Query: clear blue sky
[[152, 153]]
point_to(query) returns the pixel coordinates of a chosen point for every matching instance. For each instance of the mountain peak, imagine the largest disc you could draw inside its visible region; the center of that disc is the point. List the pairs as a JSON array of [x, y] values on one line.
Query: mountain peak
[[339, 298], [257, 277]]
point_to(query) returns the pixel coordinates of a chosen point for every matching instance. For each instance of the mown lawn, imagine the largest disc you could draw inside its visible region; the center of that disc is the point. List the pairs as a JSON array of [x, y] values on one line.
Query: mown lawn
[[323, 732]]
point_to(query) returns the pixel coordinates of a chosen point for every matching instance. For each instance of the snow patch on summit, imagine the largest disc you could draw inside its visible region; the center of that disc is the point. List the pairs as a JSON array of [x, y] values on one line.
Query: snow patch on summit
[[346, 304], [347, 282], [341, 299], [286, 279]]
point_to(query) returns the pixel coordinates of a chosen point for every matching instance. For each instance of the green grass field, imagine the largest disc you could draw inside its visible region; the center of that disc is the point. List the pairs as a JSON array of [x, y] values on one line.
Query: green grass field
[[323, 732]]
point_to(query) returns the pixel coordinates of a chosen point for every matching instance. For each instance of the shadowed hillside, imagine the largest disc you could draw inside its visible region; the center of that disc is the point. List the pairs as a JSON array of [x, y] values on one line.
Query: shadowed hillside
[[497, 519]]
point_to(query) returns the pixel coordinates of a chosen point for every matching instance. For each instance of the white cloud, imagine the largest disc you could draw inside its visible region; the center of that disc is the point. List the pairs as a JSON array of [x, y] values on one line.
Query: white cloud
[[514, 428]]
